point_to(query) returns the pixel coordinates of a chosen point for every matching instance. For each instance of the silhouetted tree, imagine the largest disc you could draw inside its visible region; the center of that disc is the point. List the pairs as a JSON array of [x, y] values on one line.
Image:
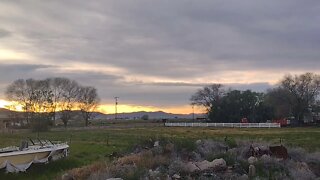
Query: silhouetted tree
[[281, 101], [208, 97], [304, 90], [88, 100], [69, 98], [17, 92], [235, 105], [57, 86]]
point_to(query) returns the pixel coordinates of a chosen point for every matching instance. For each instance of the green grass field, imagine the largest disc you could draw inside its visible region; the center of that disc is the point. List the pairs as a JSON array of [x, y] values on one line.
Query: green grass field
[[88, 146]]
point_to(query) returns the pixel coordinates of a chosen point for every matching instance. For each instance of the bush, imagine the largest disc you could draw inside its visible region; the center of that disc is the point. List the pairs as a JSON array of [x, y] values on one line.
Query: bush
[[210, 148], [297, 154], [185, 144], [231, 143], [40, 124]]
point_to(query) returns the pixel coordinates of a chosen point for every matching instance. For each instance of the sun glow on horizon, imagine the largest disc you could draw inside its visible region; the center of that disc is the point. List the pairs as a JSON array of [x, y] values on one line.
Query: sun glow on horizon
[[123, 108], [110, 109], [3, 103]]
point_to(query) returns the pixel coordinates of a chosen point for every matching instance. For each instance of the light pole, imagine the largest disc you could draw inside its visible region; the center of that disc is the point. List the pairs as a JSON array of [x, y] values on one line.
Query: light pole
[[116, 108]]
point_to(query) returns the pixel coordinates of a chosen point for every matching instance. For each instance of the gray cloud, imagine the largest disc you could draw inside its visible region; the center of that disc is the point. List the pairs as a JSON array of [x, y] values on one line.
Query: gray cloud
[[182, 41], [4, 33]]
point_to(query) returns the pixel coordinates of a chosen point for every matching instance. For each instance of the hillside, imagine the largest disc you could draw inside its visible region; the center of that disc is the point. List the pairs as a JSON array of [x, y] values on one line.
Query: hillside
[[151, 115], [132, 115]]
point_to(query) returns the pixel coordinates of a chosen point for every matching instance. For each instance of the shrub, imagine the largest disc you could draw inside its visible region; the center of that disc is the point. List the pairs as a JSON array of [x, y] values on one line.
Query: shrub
[[297, 154], [40, 124], [185, 144], [231, 143], [210, 148]]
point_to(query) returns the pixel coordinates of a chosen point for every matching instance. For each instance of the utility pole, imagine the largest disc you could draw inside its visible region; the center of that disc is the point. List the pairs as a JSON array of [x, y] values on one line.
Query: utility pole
[[116, 108]]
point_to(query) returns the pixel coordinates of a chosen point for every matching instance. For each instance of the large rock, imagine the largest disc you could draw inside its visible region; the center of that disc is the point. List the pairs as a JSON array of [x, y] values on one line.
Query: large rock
[[176, 176], [219, 164], [266, 158], [154, 174], [156, 144], [198, 142], [252, 171], [204, 165], [67, 176], [252, 160], [244, 177], [190, 167]]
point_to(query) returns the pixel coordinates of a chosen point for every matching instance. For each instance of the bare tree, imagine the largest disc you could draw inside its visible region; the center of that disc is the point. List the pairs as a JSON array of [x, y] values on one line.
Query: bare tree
[[34, 96], [69, 98], [20, 92], [304, 88], [208, 96], [41, 99], [88, 101], [57, 86]]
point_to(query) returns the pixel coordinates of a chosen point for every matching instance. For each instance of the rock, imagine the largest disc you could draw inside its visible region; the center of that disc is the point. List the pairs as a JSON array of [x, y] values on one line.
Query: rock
[[204, 165], [300, 171], [252, 171], [115, 179], [196, 156], [252, 160], [190, 167], [244, 177], [265, 158], [153, 174], [198, 142], [176, 176], [219, 164], [156, 144], [67, 176]]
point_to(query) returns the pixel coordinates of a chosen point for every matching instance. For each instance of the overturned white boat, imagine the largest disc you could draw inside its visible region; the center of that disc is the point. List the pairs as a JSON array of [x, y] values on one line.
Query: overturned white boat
[[17, 159]]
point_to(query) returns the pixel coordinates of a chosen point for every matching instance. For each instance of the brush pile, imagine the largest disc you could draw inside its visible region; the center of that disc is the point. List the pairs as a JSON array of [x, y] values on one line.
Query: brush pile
[[206, 159]]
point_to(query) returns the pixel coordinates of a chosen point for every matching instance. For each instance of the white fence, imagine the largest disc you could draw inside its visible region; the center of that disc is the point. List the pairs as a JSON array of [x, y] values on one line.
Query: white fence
[[228, 125]]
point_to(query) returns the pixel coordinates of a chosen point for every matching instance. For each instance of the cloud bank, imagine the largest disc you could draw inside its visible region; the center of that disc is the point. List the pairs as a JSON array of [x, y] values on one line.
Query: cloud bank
[[159, 52]]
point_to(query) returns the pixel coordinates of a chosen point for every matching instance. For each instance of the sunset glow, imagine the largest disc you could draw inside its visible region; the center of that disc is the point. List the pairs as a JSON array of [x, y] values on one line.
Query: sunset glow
[[6, 54], [110, 108], [3, 103]]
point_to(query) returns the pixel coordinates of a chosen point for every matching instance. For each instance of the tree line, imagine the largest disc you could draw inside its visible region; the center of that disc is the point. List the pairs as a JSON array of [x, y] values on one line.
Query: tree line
[[294, 96], [42, 99]]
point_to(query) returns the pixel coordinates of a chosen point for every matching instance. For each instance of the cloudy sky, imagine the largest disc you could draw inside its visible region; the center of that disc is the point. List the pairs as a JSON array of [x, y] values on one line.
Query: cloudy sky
[[154, 54]]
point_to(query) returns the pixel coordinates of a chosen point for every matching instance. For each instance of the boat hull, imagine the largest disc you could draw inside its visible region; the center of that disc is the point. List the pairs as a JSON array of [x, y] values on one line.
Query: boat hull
[[21, 160]]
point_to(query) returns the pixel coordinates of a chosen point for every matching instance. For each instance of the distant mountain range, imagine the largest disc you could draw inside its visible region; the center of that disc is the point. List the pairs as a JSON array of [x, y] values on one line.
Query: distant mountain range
[[151, 115], [4, 113]]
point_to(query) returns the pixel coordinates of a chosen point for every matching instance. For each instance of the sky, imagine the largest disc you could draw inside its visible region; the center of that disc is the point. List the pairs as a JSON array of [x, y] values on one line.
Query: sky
[[155, 54]]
